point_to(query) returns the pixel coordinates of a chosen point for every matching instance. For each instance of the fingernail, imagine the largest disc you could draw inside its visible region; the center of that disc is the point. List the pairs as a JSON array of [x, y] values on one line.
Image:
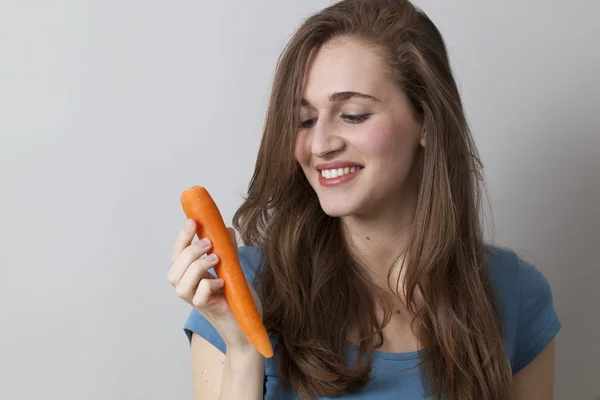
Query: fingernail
[[189, 226], [211, 257], [204, 242]]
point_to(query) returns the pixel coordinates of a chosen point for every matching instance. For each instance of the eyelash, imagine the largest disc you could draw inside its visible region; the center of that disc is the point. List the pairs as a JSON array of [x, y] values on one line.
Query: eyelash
[[352, 119]]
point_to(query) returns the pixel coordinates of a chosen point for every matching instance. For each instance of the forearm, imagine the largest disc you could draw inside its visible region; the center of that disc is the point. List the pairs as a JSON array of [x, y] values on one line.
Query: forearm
[[243, 374]]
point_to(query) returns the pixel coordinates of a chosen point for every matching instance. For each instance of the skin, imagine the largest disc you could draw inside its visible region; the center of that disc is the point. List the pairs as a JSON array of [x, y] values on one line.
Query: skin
[[377, 206], [536, 380]]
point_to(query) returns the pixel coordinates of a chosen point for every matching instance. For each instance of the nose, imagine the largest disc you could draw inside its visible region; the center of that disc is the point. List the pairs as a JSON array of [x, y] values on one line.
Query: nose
[[325, 140]]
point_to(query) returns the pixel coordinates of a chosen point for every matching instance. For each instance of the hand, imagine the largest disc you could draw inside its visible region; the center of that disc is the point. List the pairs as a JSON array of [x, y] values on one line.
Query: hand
[[202, 290]]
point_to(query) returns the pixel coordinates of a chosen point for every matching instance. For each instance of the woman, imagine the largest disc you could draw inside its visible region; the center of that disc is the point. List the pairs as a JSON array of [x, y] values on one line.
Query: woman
[[362, 235]]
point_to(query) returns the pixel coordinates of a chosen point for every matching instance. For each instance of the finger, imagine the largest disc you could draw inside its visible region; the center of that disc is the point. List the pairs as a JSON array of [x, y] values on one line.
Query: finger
[[206, 289], [186, 234], [189, 255], [197, 271]]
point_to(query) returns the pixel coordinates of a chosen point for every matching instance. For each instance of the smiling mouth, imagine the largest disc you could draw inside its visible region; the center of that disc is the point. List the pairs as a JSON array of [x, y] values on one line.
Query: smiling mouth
[[338, 172]]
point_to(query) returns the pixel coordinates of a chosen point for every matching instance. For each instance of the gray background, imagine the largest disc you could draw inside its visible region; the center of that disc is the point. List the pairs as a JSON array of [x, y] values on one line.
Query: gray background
[[109, 109]]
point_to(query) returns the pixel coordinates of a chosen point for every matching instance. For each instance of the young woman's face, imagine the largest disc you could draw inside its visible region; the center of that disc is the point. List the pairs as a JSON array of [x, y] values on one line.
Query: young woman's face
[[358, 137]]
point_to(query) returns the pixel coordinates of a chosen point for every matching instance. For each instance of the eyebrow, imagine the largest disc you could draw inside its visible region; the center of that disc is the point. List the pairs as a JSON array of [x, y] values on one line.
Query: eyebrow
[[339, 97]]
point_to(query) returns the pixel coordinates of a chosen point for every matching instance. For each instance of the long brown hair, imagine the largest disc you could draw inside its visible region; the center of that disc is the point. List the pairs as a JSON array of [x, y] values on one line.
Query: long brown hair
[[313, 291]]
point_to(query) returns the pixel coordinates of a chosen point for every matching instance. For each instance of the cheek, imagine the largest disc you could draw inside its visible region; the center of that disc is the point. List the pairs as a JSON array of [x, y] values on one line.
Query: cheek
[[300, 147], [390, 144], [379, 139]]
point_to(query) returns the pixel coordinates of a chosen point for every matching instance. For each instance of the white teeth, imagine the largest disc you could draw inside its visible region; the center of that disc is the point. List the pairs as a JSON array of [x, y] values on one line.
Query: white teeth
[[334, 173]]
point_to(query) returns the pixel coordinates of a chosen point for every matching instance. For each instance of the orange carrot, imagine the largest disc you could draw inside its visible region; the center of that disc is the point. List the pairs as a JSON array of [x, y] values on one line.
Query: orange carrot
[[199, 206]]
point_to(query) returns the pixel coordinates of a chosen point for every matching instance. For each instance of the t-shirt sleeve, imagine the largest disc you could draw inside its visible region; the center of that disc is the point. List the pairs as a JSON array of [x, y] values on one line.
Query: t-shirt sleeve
[[538, 322], [196, 323]]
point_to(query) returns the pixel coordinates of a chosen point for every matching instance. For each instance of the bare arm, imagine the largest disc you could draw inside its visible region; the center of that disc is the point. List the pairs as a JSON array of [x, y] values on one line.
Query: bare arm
[[239, 374], [536, 380]]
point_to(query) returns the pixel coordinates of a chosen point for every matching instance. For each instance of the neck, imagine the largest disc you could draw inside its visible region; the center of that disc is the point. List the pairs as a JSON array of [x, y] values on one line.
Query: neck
[[378, 238], [377, 241]]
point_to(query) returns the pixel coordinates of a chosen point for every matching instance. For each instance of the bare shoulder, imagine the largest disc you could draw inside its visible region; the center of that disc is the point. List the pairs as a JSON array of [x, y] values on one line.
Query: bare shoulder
[[207, 368], [536, 380]]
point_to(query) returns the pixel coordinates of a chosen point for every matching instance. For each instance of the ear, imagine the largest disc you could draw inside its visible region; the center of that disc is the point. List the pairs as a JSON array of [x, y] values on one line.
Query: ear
[[423, 141]]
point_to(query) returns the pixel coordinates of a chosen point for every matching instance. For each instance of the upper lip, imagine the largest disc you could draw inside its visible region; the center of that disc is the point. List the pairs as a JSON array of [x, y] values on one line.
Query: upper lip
[[336, 164]]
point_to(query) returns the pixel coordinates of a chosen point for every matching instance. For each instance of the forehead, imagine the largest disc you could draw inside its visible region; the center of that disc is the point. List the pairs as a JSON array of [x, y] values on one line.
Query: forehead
[[344, 64]]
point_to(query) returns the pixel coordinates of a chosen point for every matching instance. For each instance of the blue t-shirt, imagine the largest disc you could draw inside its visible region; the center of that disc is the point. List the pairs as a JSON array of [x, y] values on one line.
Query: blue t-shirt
[[529, 316]]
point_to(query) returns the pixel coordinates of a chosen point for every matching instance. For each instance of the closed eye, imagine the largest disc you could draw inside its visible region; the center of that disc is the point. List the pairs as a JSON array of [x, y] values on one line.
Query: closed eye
[[352, 119], [308, 123], [355, 119]]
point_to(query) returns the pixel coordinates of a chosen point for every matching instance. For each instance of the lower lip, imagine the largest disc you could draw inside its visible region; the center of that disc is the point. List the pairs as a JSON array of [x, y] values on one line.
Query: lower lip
[[339, 180]]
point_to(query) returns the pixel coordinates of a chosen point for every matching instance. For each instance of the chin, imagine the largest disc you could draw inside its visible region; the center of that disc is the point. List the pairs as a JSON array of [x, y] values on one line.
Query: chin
[[336, 212], [336, 209]]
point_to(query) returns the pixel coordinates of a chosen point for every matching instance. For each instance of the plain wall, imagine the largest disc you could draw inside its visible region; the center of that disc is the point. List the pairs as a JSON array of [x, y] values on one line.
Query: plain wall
[[109, 109]]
